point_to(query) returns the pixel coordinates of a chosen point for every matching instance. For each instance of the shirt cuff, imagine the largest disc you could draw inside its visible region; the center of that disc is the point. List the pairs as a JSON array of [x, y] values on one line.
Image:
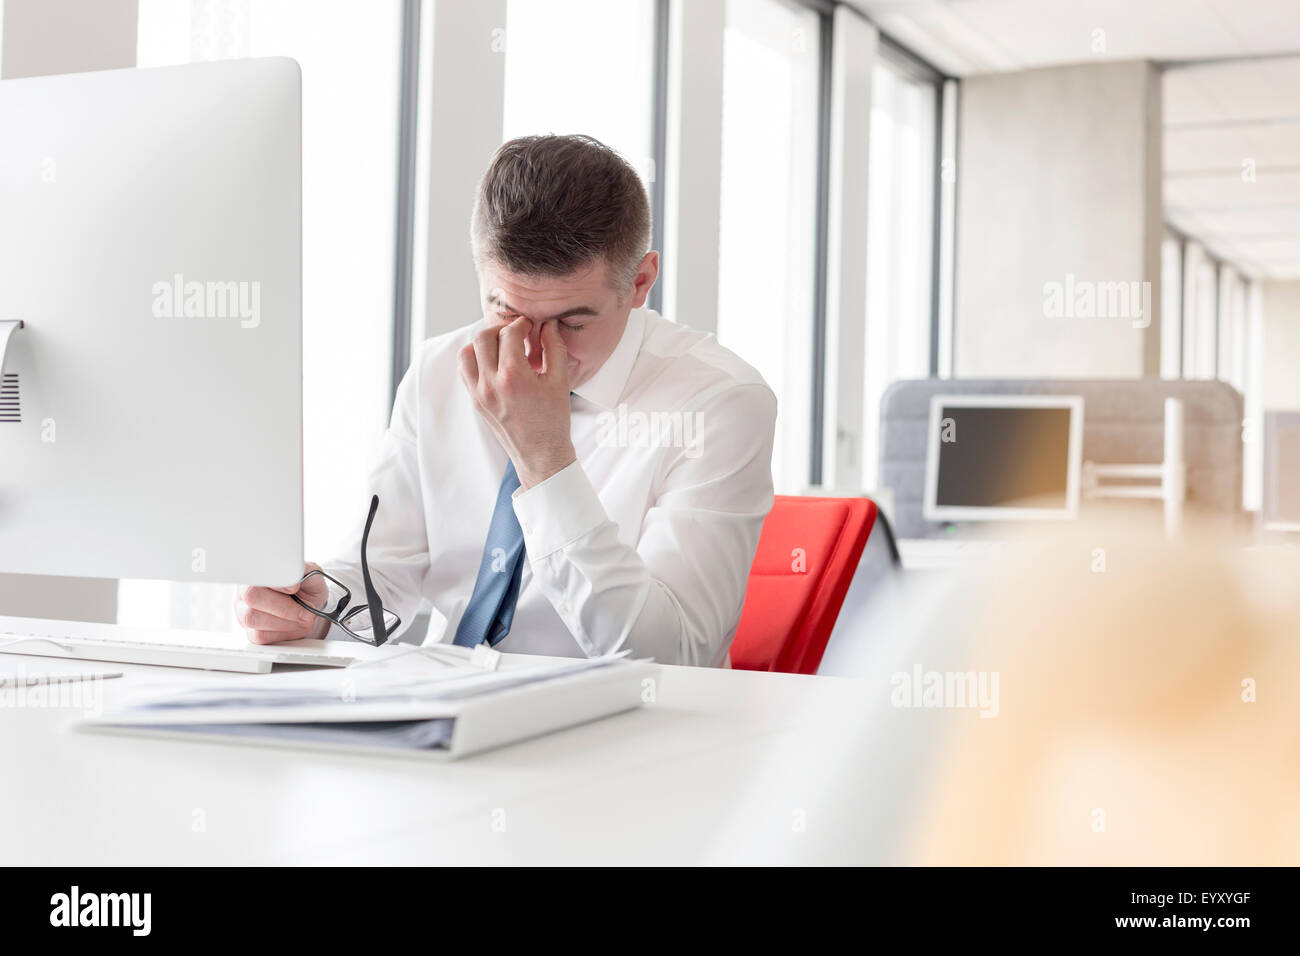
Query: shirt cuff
[[558, 511]]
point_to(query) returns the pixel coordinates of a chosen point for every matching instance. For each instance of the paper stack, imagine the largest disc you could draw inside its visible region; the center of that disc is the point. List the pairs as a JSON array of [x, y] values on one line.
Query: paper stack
[[437, 699]]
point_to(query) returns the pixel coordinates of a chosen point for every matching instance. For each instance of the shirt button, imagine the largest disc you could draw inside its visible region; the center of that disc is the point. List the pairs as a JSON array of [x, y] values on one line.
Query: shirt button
[[564, 608]]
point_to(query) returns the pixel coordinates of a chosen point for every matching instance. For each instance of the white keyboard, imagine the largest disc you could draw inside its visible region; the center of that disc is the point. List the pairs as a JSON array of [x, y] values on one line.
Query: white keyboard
[[213, 652]]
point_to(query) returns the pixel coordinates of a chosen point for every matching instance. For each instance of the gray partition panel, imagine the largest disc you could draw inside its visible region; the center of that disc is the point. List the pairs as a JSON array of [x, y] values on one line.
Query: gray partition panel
[[1123, 422]]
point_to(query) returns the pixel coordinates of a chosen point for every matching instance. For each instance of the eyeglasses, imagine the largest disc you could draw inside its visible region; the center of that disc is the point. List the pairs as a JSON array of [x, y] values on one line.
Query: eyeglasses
[[370, 622]]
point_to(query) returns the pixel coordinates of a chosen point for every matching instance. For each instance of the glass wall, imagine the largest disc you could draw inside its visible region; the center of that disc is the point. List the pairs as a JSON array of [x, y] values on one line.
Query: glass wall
[[590, 66], [900, 239], [768, 218], [1200, 312], [350, 68], [583, 66], [1233, 328], [1171, 307]]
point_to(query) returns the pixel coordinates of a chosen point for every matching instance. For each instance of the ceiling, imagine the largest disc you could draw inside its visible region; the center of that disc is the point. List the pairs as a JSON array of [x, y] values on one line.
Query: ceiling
[[1231, 96], [1232, 161]]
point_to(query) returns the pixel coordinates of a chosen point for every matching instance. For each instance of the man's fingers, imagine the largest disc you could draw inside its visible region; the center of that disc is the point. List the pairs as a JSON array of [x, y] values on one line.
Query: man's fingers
[[269, 615], [486, 345], [272, 605], [512, 338], [467, 363], [555, 356], [261, 621]]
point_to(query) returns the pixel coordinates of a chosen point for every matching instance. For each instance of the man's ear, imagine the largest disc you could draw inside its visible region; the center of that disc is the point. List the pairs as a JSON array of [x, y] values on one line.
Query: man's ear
[[647, 271]]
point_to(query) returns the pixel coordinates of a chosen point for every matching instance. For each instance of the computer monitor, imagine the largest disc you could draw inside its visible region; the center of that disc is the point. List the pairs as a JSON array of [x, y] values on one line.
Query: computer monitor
[[1280, 511], [150, 243], [1000, 457]]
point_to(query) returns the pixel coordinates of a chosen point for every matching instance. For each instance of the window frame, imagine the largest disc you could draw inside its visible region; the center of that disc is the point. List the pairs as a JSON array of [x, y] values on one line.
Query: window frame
[[922, 71], [408, 128], [942, 267], [946, 134]]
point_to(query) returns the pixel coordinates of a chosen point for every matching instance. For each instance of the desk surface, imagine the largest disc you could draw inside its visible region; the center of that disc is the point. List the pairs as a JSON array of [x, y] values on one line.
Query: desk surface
[[936, 554], [715, 770]]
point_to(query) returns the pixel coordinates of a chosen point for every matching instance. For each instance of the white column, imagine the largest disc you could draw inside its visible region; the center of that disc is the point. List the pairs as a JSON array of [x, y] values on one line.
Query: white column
[[853, 55], [693, 177], [1042, 259], [462, 103]]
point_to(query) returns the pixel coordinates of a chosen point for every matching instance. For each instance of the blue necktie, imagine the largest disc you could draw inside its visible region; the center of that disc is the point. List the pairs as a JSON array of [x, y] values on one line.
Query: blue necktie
[[491, 608]]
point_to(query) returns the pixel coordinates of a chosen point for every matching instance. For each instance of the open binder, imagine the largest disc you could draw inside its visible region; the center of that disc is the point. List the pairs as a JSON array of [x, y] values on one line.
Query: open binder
[[399, 705]]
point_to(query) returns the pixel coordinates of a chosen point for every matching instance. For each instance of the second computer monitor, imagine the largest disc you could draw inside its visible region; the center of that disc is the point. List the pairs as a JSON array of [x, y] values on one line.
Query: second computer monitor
[[999, 457], [1281, 504]]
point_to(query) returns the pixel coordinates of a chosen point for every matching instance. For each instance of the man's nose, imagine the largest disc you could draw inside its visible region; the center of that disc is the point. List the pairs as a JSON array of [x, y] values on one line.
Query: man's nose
[[533, 344]]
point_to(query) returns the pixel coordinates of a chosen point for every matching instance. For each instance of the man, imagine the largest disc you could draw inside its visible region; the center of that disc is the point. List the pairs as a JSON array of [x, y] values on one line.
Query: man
[[573, 475]]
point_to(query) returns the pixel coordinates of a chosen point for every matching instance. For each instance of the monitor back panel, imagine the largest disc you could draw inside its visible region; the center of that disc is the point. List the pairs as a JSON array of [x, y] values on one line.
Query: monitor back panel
[[150, 239]]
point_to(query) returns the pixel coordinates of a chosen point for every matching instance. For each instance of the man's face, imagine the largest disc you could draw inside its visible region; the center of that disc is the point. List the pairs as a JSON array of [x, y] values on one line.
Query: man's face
[[589, 309]]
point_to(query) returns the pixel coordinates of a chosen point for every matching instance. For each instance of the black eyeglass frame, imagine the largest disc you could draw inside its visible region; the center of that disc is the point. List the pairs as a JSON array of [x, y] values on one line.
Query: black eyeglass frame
[[341, 615]]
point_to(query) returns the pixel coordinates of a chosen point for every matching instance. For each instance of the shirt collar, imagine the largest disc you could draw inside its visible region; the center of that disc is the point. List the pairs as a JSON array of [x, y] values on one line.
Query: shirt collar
[[605, 388]]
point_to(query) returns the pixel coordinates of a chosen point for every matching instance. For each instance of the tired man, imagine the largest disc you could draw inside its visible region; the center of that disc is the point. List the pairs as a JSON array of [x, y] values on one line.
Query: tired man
[[573, 474]]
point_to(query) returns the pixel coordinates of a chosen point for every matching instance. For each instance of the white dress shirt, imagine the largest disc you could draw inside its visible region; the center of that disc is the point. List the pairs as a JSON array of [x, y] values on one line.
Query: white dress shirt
[[644, 542]]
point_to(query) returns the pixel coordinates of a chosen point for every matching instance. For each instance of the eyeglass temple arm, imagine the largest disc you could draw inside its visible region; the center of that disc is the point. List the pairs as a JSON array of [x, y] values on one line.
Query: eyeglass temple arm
[[372, 597]]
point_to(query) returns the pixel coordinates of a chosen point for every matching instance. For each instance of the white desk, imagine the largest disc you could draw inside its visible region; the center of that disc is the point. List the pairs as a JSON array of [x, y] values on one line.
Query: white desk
[[936, 554], [689, 778]]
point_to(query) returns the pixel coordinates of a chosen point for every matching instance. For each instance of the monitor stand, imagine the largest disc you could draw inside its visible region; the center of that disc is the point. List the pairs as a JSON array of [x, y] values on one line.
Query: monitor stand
[[7, 328]]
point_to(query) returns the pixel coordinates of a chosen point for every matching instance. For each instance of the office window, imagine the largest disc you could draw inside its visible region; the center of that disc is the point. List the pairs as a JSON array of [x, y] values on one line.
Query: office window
[[1252, 478], [900, 238], [350, 60], [1237, 367], [1200, 312], [1171, 307], [767, 255], [583, 66], [946, 254], [1233, 328]]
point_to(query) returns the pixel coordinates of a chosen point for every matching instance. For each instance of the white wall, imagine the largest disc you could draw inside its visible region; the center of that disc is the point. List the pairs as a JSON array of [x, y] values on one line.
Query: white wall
[[42, 37], [1058, 174]]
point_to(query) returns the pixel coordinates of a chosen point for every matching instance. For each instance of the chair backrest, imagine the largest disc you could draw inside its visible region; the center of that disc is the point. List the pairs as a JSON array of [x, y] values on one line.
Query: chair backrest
[[807, 555], [874, 594]]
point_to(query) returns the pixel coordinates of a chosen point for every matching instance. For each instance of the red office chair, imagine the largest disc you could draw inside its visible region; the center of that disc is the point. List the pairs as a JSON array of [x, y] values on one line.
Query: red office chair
[[808, 555]]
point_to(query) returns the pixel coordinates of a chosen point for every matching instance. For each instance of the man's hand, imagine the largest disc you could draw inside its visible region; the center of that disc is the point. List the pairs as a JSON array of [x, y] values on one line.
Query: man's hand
[[271, 616], [527, 409]]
